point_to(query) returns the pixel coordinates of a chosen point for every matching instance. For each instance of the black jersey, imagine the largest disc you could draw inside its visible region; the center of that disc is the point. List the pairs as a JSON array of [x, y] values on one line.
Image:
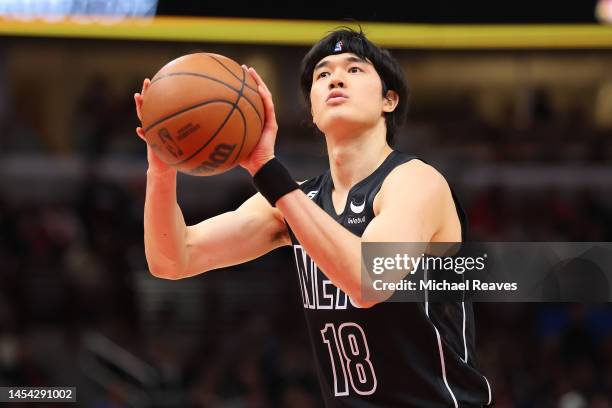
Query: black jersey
[[392, 354]]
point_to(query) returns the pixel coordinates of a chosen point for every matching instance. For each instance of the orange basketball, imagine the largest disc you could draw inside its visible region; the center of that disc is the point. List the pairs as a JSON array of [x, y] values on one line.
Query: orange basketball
[[202, 114]]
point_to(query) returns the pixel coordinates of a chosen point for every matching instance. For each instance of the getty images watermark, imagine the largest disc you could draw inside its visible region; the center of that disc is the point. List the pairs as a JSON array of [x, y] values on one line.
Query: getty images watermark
[[487, 272], [411, 264]]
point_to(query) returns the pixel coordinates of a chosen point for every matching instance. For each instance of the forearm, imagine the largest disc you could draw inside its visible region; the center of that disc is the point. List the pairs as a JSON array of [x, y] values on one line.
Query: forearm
[[164, 226], [334, 249]]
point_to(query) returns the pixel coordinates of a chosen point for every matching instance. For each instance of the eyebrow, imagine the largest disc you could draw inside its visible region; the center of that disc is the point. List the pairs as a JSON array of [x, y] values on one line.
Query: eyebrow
[[347, 59]]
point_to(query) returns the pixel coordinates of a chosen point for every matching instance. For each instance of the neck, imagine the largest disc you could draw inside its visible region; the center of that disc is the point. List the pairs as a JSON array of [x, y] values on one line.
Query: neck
[[352, 158]]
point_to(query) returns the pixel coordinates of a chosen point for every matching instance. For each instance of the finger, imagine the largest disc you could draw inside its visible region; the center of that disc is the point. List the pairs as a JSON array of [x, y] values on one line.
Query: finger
[[140, 133], [262, 81], [145, 85], [261, 87], [138, 101], [265, 94], [250, 73], [255, 75], [258, 79], [270, 116], [137, 106], [266, 97]]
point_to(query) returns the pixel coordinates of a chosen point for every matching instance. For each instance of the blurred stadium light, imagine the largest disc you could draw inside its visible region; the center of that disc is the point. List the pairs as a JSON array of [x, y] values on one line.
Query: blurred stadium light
[[604, 11], [57, 9]]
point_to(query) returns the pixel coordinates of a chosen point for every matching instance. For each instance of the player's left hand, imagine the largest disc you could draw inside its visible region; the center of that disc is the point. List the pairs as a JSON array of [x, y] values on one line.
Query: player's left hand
[[264, 149]]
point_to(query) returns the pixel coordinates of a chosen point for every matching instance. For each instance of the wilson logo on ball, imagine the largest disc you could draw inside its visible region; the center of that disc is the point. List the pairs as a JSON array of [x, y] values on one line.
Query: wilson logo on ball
[[219, 156]]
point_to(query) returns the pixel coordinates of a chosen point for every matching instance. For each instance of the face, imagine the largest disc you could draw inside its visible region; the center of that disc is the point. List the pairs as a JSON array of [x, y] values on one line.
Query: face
[[347, 91]]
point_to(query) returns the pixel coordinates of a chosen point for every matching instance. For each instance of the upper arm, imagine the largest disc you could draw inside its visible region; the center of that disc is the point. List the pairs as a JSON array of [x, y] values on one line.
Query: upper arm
[[234, 237], [412, 203]]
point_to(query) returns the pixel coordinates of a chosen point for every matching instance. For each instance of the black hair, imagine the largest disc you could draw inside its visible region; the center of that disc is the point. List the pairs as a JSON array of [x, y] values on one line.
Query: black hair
[[387, 67]]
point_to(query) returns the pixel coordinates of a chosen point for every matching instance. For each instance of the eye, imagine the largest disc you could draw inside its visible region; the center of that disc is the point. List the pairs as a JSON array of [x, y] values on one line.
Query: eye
[[322, 74], [355, 69]]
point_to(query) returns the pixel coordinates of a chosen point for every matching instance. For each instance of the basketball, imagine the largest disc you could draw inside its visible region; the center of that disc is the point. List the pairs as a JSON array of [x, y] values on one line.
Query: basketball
[[202, 114]]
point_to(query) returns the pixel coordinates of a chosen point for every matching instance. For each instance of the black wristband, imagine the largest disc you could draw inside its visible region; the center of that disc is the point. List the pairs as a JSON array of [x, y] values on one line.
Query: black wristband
[[273, 181]]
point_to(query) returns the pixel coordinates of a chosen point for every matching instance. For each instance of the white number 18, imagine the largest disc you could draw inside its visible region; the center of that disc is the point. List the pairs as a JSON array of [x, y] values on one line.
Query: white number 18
[[350, 359]]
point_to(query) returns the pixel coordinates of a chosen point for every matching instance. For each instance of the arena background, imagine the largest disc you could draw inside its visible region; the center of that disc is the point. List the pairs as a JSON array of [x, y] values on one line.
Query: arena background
[[514, 108]]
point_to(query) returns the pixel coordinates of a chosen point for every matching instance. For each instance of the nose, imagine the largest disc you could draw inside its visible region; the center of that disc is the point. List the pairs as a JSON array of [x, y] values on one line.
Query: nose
[[336, 81]]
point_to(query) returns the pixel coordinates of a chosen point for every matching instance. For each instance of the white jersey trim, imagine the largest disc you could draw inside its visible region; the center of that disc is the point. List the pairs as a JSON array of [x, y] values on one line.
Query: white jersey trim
[[440, 350], [464, 340], [489, 388]]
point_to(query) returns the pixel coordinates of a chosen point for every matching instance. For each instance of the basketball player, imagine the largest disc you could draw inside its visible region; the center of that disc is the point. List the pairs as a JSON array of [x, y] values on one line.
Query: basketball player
[[368, 353]]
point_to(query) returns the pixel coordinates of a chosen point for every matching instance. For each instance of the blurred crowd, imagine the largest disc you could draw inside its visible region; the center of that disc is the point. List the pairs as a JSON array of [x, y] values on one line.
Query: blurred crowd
[[78, 307], [74, 269]]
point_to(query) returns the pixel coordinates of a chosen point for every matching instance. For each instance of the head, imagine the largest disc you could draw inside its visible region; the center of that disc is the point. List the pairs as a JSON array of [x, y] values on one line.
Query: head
[[369, 82]]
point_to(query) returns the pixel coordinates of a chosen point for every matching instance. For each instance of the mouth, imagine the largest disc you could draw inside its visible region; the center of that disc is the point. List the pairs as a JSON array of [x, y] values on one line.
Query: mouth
[[336, 97]]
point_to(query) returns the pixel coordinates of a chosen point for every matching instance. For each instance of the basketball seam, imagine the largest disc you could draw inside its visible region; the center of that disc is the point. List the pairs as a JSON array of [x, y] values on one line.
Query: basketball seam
[[244, 131], [215, 80], [230, 71], [234, 106], [151, 126]]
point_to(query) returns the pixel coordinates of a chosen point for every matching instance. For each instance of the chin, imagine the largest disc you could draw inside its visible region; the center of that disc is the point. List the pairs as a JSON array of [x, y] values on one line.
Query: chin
[[339, 118]]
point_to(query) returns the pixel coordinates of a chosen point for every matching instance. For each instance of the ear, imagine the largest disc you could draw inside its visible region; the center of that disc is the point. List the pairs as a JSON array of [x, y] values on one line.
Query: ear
[[390, 101]]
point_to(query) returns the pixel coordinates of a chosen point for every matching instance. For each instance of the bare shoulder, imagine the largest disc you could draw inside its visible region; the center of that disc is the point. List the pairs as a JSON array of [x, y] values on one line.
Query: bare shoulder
[[419, 188], [417, 171], [414, 179], [413, 204]]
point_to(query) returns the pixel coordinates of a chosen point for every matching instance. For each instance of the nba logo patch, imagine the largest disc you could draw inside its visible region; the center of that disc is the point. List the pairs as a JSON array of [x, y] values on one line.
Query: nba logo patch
[[338, 46]]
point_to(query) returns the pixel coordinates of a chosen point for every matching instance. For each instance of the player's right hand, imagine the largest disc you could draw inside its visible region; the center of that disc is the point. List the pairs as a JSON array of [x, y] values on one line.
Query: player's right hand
[[156, 166]]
